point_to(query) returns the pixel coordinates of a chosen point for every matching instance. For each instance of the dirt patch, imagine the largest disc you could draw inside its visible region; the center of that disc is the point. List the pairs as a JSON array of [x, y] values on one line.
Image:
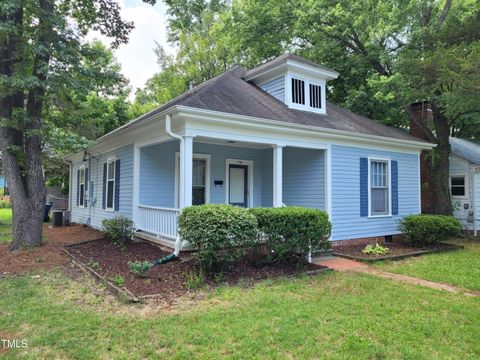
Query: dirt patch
[[396, 251], [49, 254], [169, 281]]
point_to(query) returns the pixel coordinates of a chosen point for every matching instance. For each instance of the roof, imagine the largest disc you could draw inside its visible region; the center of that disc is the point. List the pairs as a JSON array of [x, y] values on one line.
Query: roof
[[230, 93], [282, 59], [465, 149]]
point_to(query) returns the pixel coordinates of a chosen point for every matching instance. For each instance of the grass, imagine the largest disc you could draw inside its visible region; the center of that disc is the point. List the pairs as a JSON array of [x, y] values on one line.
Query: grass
[[459, 268], [334, 316], [5, 225]]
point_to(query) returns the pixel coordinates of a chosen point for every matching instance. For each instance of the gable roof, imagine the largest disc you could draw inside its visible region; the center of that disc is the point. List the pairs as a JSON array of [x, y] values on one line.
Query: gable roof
[[465, 149], [230, 93]]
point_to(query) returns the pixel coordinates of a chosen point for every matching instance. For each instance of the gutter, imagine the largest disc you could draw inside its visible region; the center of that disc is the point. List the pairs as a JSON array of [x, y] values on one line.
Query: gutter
[[168, 130]]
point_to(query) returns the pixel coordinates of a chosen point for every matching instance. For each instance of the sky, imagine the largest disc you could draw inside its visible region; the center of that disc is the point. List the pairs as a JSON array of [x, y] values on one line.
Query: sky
[[137, 58]]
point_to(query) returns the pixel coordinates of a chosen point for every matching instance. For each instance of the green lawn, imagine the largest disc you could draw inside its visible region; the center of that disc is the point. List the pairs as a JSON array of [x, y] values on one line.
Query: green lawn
[[333, 315], [460, 267], [5, 225]]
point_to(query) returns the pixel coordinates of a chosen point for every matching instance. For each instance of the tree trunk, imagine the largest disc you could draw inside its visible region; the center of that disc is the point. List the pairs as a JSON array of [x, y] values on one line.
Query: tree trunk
[[21, 146], [441, 164]]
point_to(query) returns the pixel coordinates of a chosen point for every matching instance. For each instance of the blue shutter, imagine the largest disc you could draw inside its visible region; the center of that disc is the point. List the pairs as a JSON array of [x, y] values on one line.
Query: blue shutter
[[117, 185], [363, 187], [394, 187], [86, 179], [78, 187], [104, 189]]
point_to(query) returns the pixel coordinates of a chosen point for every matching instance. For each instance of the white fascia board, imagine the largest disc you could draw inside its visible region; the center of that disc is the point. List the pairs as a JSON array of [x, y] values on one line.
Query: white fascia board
[[331, 135], [308, 70]]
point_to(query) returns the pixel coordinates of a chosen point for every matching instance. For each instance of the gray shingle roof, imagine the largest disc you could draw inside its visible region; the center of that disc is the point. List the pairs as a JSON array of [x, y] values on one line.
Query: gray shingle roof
[[465, 149], [229, 93]]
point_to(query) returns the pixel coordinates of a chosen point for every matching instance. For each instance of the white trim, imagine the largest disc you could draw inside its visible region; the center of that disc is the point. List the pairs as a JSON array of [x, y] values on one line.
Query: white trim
[[277, 176], [328, 181], [249, 164], [389, 175], [207, 158], [466, 186], [136, 183], [110, 159], [307, 81]]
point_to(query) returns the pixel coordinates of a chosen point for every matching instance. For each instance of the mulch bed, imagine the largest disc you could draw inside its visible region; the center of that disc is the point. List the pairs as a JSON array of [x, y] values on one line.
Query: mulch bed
[[49, 254], [168, 281], [396, 251]]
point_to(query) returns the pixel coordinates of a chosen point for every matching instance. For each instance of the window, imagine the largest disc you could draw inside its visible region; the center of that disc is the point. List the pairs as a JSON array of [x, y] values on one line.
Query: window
[[110, 190], [298, 91], [379, 188], [198, 181], [81, 187], [315, 96], [457, 185]]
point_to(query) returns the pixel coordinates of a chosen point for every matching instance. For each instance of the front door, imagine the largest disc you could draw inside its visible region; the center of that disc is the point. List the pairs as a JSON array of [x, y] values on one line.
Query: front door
[[238, 185]]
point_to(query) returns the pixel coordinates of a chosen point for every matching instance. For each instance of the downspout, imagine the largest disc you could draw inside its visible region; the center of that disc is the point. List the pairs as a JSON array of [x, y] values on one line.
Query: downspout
[[168, 130], [70, 175], [474, 197]]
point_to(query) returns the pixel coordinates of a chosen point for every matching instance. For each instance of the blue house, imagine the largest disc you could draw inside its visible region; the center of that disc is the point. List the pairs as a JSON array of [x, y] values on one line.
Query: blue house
[[265, 137]]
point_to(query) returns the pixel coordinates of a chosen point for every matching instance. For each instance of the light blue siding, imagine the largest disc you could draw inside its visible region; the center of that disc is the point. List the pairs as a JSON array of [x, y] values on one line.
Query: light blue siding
[[303, 177], [95, 214], [275, 87], [346, 219], [157, 174]]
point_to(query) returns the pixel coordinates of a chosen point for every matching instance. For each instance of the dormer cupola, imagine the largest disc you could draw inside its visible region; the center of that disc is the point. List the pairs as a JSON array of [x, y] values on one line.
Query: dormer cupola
[[297, 82]]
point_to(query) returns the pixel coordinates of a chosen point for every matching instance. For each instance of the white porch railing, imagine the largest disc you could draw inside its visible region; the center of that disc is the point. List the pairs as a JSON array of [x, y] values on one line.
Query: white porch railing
[[158, 220]]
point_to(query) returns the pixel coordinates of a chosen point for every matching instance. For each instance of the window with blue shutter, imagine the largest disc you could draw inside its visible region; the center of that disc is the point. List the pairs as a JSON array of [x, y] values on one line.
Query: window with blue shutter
[[117, 185], [363, 187], [394, 187]]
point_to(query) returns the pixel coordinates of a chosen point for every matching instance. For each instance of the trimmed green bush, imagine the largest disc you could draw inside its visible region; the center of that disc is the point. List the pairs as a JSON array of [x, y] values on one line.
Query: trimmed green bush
[[429, 229], [119, 230], [293, 229], [218, 233]]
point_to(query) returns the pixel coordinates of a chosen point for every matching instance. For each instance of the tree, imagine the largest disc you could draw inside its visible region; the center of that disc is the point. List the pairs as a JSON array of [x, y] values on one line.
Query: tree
[[39, 42]]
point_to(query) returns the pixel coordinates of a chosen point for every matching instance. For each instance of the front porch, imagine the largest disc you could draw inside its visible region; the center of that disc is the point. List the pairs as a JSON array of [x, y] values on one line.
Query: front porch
[[175, 174]]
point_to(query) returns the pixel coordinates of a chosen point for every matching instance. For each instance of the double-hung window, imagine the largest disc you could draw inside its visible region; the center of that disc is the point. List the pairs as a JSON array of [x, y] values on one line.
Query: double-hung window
[[379, 188], [457, 186], [198, 181], [110, 185], [81, 187]]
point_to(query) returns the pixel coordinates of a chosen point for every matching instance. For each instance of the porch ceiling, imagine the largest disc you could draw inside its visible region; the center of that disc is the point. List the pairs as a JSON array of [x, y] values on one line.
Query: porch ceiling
[[207, 140]]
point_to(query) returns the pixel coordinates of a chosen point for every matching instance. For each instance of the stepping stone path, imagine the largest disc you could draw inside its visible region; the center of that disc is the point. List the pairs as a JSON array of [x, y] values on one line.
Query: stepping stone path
[[346, 265]]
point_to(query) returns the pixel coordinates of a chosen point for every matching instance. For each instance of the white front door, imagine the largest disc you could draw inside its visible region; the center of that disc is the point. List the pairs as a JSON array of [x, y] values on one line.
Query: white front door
[[238, 185]]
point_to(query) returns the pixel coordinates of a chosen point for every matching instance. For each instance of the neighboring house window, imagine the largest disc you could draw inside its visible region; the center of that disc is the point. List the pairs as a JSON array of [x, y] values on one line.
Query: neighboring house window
[[379, 188], [298, 91], [81, 187], [110, 186], [315, 96], [198, 181], [457, 185]]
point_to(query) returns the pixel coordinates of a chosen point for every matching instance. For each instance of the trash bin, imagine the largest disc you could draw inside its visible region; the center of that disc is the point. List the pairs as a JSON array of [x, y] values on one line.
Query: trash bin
[[47, 208], [58, 218]]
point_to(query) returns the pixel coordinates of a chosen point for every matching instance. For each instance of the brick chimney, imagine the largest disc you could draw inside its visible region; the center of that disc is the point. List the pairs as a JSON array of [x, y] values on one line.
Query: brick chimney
[[423, 112]]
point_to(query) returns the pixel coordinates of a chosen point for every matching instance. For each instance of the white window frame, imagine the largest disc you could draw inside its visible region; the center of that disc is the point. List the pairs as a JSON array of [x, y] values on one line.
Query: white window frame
[[465, 182], [84, 203], [307, 81], [205, 157], [389, 190], [109, 161], [249, 164]]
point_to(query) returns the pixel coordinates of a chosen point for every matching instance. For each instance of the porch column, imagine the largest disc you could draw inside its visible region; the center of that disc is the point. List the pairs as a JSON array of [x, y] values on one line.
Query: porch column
[[186, 165], [277, 176]]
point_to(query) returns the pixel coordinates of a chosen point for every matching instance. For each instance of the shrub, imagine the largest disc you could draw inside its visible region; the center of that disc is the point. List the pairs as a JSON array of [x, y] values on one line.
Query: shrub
[[429, 229], [376, 249], [139, 268], [119, 230], [218, 233], [293, 229]]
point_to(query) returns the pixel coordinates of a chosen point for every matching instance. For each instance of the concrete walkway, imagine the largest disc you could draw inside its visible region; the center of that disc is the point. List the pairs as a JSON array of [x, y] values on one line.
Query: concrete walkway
[[346, 265]]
